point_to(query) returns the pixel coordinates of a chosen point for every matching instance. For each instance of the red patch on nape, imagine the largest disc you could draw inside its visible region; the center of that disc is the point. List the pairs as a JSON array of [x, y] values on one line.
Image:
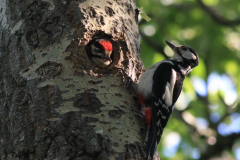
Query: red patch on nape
[[106, 45]]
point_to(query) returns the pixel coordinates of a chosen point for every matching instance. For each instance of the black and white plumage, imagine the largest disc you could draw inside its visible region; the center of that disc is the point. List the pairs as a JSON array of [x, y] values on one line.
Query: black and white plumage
[[100, 52], [160, 85]]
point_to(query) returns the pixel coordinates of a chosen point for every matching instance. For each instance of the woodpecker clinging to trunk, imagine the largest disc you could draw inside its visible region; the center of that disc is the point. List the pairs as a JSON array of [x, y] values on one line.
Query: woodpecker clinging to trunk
[[99, 52], [160, 86]]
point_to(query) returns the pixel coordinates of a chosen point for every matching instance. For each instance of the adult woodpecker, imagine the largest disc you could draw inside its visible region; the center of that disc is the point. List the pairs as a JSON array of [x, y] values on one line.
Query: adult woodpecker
[[99, 52], [160, 86]]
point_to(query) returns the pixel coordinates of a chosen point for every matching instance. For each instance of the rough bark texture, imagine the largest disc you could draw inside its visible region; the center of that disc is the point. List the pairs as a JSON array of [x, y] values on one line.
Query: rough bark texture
[[54, 103]]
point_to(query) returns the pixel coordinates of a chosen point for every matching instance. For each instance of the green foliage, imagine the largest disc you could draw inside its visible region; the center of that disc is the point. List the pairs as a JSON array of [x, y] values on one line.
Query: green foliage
[[197, 109], [144, 16], [218, 46]]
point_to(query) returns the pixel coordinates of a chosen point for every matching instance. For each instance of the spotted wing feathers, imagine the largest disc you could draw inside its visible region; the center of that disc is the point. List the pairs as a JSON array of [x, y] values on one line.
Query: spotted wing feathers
[[163, 89]]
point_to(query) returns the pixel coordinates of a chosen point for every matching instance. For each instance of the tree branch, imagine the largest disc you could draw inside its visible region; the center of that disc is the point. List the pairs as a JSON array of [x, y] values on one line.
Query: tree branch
[[218, 18], [223, 143], [154, 44]]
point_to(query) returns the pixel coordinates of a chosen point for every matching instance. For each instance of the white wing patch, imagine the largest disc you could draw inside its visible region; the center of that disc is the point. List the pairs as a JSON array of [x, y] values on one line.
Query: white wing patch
[[168, 95], [145, 83]]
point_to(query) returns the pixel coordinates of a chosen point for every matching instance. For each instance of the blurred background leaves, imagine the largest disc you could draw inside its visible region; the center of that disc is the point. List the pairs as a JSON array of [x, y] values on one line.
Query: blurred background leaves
[[206, 121]]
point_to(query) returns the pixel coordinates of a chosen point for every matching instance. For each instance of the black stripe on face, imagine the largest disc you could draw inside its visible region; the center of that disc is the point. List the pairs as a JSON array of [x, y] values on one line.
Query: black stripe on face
[[98, 45], [193, 51], [183, 48], [96, 51], [97, 56], [196, 61], [179, 52]]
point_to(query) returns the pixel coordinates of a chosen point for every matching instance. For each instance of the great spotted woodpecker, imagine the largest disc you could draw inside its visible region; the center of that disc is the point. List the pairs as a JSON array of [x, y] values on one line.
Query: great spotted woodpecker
[[99, 52], [160, 86]]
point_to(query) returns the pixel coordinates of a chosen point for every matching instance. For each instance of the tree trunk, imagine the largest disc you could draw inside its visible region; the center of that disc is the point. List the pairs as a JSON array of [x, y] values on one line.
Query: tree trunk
[[54, 103]]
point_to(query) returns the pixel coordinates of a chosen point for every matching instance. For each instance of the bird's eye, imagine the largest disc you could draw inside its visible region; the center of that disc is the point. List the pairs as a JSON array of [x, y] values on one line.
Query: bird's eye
[[184, 48]]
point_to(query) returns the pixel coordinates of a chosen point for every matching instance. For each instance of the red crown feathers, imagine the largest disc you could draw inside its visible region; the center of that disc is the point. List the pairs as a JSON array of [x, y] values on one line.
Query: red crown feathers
[[106, 45]]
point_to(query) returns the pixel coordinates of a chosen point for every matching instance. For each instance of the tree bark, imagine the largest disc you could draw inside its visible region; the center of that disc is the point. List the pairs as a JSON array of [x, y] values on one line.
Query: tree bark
[[54, 103]]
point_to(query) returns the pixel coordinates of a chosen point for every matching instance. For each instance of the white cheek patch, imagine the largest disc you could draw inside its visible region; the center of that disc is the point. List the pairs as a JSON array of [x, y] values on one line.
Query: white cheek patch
[[107, 62], [189, 55]]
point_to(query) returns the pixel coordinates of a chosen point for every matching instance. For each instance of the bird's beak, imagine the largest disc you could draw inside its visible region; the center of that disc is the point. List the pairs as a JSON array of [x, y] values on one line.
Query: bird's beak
[[107, 58], [172, 46]]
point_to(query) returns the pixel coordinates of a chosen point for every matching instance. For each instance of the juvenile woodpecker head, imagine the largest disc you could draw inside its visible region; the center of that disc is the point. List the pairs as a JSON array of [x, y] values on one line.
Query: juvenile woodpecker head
[[184, 54], [99, 52]]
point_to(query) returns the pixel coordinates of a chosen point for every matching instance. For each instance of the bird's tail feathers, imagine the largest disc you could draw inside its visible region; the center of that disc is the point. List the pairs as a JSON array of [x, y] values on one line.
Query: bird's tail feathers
[[151, 143]]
